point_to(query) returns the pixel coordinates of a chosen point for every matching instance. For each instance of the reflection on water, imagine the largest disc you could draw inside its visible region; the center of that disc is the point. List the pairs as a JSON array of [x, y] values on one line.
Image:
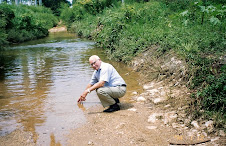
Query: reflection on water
[[40, 82]]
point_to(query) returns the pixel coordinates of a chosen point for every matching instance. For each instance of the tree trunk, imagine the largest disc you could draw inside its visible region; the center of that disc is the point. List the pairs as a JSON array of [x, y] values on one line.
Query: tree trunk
[[40, 2], [16, 2]]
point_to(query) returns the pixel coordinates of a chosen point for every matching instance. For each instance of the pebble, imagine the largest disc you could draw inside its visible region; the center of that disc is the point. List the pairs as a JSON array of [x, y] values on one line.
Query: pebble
[[168, 105], [215, 139], [221, 132], [132, 109], [134, 93], [158, 100], [148, 86], [90, 143], [209, 126], [152, 118], [151, 127], [141, 99], [195, 124], [153, 91]]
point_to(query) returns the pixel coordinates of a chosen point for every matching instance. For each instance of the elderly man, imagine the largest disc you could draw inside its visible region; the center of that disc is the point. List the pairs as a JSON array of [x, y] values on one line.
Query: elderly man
[[107, 82]]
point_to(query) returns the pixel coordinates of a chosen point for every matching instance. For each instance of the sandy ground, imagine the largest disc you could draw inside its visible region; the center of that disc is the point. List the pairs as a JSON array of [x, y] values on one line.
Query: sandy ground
[[144, 123], [129, 126], [58, 29]]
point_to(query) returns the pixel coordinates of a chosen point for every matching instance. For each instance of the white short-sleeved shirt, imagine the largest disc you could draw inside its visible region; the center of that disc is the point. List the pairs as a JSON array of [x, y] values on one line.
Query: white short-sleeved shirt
[[107, 73]]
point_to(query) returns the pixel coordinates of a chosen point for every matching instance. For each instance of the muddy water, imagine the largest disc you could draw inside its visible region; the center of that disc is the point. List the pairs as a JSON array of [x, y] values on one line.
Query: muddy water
[[40, 82]]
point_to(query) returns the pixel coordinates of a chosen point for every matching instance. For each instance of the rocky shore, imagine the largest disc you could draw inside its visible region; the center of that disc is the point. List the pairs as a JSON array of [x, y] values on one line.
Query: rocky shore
[[150, 118]]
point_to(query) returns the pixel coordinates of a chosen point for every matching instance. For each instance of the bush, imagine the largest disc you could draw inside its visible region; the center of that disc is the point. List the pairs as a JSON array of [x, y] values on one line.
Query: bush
[[21, 23]]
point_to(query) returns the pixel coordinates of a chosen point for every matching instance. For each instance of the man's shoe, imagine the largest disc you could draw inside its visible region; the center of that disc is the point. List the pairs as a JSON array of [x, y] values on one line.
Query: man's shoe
[[116, 100], [112, 108]]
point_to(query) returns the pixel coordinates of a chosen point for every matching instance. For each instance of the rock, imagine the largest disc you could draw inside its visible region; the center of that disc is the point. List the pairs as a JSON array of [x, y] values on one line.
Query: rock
[[168, 105], [132, 109], [175, 125], [158, 100], [204, 134], [221, 133], [209, 126], [153, 91], [195, 124], [151, 127], [145, 87], [192, 133], [134, 93], [152, 118], [168, 117], [90, 143], [141, 99], [120, 126], [215, 139]]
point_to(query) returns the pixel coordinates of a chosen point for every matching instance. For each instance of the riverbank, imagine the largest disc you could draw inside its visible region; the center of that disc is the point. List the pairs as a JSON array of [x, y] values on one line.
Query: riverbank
[[58, 29], [141, 122], [157, 116]]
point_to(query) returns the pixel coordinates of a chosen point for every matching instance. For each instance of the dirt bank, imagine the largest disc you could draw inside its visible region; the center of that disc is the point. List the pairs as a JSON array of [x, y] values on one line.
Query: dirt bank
[[58, 29], [141, 122], [155, 117]]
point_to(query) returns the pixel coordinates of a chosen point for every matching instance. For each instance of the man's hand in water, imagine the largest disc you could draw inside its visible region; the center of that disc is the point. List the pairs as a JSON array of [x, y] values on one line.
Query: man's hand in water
[[83, 96]]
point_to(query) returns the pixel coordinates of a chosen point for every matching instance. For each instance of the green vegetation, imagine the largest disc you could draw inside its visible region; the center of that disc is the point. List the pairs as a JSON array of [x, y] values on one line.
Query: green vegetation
[[20, 23], [195, 29], [55, 5]]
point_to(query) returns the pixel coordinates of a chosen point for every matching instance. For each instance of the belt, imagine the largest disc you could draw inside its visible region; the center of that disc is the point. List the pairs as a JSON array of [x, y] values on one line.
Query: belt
[[124, 85]]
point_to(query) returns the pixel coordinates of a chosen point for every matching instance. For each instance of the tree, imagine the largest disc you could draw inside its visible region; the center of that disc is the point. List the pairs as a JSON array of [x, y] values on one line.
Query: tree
[[55, 5]]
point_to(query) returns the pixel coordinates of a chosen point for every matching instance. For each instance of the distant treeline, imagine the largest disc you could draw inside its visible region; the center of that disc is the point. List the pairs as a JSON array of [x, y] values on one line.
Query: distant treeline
[[194, 29], [19, 23]]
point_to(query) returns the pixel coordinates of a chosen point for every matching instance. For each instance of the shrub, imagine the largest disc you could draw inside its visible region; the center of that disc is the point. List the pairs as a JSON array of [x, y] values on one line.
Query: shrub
[[21, 23]]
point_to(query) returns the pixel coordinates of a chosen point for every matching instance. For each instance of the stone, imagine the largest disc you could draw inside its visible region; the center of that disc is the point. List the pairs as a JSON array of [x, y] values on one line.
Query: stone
[[221, 133], [132, 109], [195, 124], [146, 87], [141, 99], [152, 118], [158, 100], [153, 91], [209, 125], [175, 125], [120, 126], [151, 127], [134, 93], [90, 143], [215, 139], [168, 117], [168, 105]]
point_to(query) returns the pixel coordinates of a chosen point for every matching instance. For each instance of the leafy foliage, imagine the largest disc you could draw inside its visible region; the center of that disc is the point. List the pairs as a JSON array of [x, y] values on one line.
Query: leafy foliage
[[21, 23], [55, 5]]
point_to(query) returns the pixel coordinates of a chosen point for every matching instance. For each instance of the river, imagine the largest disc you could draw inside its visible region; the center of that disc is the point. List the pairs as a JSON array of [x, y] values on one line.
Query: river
[[41, 80]]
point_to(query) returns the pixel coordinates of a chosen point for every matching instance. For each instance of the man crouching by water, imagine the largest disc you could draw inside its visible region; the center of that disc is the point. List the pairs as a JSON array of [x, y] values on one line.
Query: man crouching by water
[[108, 83]]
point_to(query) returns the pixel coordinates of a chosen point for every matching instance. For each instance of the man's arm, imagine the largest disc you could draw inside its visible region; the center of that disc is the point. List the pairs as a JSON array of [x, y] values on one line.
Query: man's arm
[[90, 88]]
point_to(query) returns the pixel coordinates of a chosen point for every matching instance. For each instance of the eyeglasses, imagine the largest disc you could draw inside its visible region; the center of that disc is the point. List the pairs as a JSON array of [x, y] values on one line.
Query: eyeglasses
[[93, 63]]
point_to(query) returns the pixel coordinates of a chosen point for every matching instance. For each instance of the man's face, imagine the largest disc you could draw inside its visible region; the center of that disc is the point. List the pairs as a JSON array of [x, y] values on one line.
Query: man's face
[[95, 63]]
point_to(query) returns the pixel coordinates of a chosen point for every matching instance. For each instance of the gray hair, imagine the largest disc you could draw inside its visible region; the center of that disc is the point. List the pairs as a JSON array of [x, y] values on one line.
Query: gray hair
[[94, 57]]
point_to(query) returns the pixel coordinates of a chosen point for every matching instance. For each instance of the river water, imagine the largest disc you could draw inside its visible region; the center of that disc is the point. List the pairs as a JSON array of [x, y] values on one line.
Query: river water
[[41, 80]]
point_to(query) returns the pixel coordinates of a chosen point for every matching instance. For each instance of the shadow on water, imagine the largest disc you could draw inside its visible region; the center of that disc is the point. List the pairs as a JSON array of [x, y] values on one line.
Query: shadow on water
[[41, 81]]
